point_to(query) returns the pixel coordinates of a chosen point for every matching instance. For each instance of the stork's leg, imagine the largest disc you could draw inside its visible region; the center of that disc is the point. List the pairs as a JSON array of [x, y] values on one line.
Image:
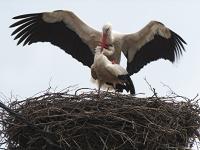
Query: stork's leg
[[100, 83], [107, 89], [99, 90]]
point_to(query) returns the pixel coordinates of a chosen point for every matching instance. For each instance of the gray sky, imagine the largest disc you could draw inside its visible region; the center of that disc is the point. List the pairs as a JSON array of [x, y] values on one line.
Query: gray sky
[[28, 70]]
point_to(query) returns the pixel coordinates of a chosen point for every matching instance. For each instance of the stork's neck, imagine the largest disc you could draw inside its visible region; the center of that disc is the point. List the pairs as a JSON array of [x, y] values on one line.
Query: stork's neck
[[106, 40], [107, 52], [109, 39]]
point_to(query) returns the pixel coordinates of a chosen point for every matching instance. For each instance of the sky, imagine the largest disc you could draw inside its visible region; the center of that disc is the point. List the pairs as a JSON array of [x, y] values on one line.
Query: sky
[[25, 71]]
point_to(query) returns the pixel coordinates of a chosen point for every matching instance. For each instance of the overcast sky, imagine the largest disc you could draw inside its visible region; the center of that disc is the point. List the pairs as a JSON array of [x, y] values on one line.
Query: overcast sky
[[30, 69]]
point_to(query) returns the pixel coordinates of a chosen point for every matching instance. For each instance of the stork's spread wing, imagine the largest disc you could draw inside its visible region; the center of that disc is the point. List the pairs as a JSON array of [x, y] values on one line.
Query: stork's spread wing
[[153, 42], [63, 29]]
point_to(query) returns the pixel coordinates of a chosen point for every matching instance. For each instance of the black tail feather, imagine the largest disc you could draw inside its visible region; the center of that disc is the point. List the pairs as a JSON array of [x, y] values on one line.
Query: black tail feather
[[131, 86], [121, 87], [128, 83], [118, 87]]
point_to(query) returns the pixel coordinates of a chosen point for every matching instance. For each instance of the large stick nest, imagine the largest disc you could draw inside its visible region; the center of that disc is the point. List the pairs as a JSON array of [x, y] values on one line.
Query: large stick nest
[[89, 122]]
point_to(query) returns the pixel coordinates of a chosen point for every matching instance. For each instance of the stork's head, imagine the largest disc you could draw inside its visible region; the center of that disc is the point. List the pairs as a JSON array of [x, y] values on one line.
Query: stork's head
[[106, 35]]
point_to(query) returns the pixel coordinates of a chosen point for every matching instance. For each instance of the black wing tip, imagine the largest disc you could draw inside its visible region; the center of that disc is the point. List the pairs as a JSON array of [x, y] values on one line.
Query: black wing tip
[[179, 44], [13, 33], [11, 26], [27, 20], [178, 37], [26, 16]]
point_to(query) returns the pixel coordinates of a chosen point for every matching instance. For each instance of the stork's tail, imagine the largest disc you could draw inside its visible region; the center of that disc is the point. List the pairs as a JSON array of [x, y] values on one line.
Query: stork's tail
[[128, 84]]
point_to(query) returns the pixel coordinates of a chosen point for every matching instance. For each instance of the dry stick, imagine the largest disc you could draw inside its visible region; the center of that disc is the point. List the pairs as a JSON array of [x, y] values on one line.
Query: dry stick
[[15, 114], [29, 124], [151, 88]]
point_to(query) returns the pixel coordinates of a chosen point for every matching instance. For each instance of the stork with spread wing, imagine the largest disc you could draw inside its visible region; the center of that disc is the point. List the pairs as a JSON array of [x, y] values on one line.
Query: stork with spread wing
[[67, 31]]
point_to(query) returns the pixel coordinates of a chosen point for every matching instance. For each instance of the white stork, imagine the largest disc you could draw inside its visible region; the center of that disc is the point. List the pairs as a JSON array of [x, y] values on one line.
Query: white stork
[[67, 31], [107, 72]]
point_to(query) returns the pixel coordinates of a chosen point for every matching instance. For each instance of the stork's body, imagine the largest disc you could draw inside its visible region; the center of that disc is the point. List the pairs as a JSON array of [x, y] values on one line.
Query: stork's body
[[104, 71]]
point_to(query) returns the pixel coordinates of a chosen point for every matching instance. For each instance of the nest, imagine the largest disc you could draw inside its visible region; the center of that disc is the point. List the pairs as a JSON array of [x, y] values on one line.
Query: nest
[[63, 121]]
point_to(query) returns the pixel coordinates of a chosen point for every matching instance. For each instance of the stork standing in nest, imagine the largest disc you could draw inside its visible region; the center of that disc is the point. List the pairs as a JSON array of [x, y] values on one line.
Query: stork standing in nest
[[67, 31], [105, 71]]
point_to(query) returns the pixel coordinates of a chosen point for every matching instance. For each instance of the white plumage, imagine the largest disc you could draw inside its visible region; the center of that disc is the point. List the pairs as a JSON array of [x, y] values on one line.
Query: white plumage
[[104, 71]]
